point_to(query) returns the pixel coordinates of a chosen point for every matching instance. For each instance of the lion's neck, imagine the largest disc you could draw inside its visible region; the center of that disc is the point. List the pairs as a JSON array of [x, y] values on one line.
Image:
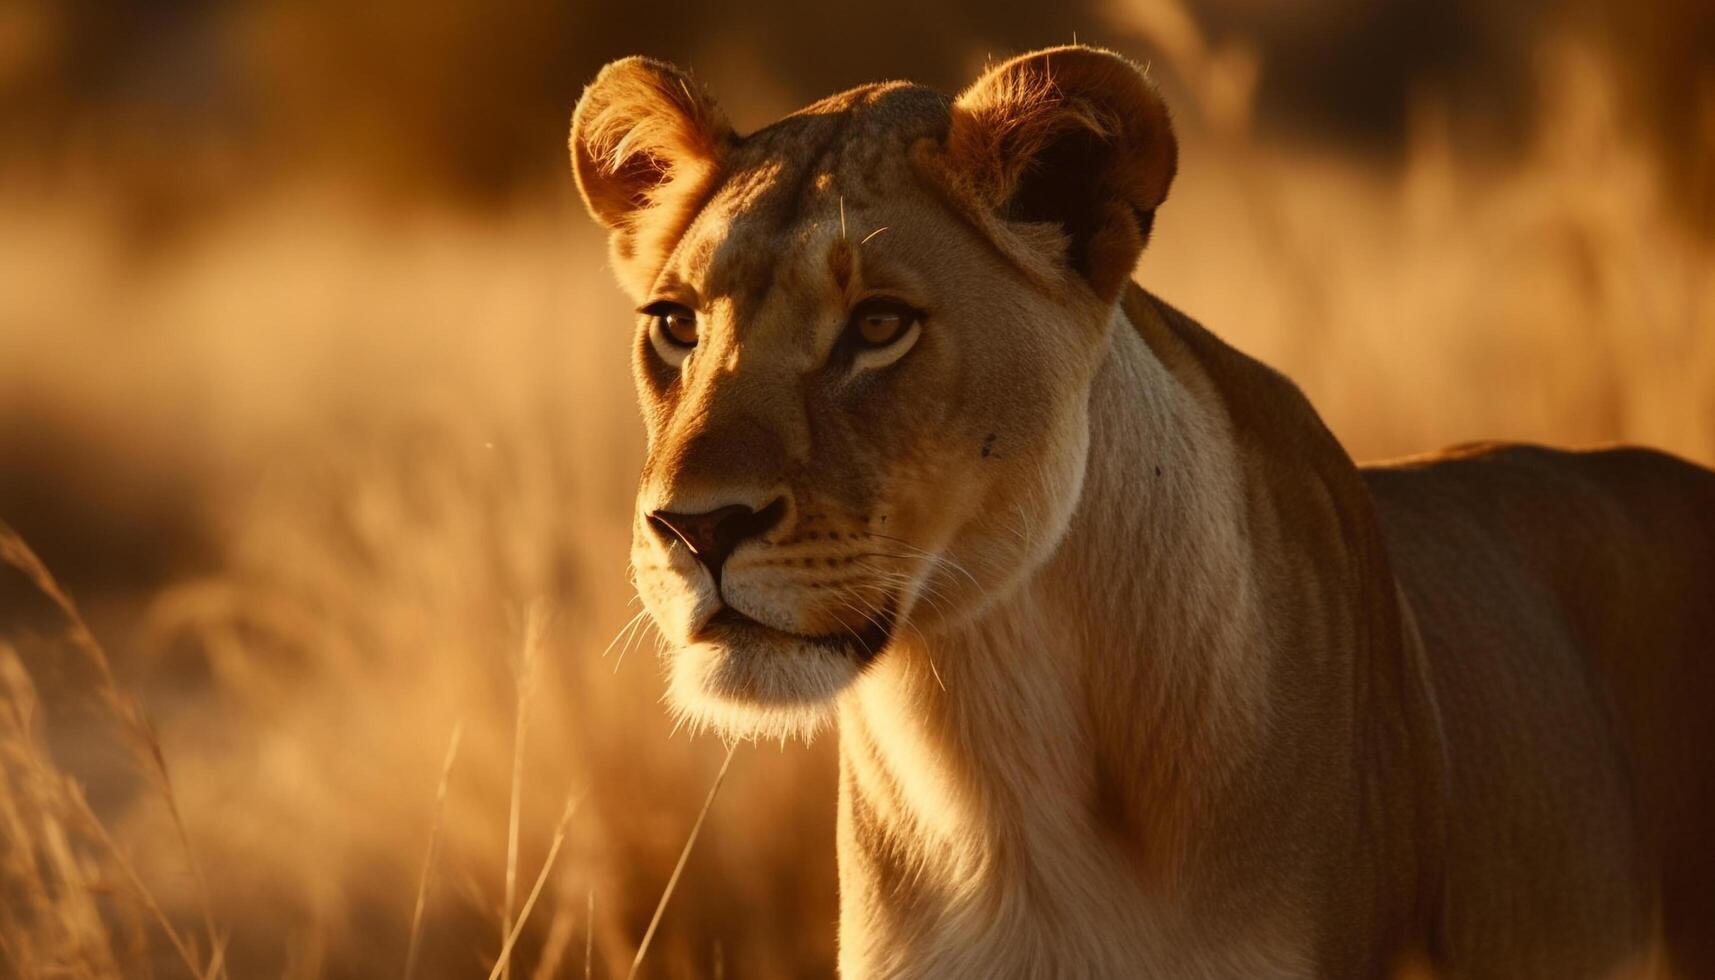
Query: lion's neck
[[1006, 785]]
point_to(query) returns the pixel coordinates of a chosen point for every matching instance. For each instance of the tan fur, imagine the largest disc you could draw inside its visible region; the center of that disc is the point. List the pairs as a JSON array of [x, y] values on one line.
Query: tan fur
[[1167, 686]]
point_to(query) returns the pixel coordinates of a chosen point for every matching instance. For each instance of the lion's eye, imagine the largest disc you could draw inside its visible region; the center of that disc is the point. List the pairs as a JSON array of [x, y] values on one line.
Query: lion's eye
[[675, 324], [880, 322], [672, 330]]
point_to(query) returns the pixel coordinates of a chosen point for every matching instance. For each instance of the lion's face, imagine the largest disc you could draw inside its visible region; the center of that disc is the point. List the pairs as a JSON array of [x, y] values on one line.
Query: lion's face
[[906, 419], [866, 413]]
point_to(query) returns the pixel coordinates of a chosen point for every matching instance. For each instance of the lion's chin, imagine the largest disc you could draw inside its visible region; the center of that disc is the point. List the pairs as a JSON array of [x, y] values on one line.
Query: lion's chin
[[741, 679]]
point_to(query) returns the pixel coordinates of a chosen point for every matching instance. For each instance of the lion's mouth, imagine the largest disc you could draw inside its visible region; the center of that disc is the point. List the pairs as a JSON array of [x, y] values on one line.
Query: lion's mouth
[[730, 627]]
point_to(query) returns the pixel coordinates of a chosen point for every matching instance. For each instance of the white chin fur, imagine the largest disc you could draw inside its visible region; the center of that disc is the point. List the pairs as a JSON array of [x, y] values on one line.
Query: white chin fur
[[784, 691]]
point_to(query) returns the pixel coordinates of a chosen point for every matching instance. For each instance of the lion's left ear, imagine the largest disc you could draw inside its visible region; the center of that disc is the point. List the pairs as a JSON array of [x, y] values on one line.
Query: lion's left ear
[[1072, 136]]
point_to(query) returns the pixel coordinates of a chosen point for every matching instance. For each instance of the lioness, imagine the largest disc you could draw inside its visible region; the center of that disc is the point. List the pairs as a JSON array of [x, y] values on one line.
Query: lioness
[[1135, 673]]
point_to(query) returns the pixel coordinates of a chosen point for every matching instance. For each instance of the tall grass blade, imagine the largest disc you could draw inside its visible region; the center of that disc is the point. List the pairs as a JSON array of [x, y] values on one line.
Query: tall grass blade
[[678, 869]]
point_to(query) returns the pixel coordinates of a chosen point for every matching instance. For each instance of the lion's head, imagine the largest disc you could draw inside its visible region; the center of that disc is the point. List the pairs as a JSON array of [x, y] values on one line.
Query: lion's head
[[865, 341]]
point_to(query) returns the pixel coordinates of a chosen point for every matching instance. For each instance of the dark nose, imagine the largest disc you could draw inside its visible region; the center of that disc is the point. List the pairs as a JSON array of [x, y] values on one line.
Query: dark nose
[[713, 535]]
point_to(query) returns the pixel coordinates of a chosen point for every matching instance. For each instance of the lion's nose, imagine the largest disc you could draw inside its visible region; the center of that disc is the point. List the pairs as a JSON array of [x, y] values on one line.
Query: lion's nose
[[713, 535]]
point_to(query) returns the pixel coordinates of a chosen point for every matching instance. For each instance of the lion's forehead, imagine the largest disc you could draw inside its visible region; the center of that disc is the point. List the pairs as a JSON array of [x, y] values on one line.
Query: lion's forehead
[[791, 190], [850, 135]]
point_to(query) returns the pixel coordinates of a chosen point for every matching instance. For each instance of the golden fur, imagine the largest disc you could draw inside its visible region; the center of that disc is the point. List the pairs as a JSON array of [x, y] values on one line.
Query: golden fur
[[1135, 673]]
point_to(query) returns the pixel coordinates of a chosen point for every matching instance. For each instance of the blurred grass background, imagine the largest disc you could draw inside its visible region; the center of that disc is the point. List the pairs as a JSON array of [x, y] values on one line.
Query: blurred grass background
[[314, 396]]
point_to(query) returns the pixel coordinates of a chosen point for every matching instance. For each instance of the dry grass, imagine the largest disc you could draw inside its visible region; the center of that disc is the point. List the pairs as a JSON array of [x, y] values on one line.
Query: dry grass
[[386, 534], [67, 814], [411, 440]]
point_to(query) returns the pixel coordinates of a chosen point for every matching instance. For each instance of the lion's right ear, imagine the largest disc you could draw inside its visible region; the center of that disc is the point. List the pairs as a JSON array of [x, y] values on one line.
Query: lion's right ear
[[645, 141]]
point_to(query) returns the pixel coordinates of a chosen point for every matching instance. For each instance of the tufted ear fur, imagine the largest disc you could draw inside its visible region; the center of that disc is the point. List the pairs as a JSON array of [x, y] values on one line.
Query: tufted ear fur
[[1074, 141], [646, 142]]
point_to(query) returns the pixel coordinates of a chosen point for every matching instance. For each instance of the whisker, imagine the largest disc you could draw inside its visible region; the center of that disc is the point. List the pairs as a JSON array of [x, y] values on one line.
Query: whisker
[[646, 625], [923, 589], [855, 635], [925, 646], [930, 557], [623, 629], [932, 671], [864, 608]]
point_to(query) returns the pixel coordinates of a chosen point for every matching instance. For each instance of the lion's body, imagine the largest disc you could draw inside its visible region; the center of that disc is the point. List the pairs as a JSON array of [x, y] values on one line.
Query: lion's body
[[1136, 673], [1561, 606], [1566, 602]]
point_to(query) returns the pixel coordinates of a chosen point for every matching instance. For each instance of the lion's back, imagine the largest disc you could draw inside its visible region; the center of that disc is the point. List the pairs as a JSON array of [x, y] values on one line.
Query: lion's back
[[1567, 606]]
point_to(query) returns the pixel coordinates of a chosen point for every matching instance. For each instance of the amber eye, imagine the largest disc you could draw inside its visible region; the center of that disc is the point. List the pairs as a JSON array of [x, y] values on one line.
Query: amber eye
[[879, 322], [675, 324]]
